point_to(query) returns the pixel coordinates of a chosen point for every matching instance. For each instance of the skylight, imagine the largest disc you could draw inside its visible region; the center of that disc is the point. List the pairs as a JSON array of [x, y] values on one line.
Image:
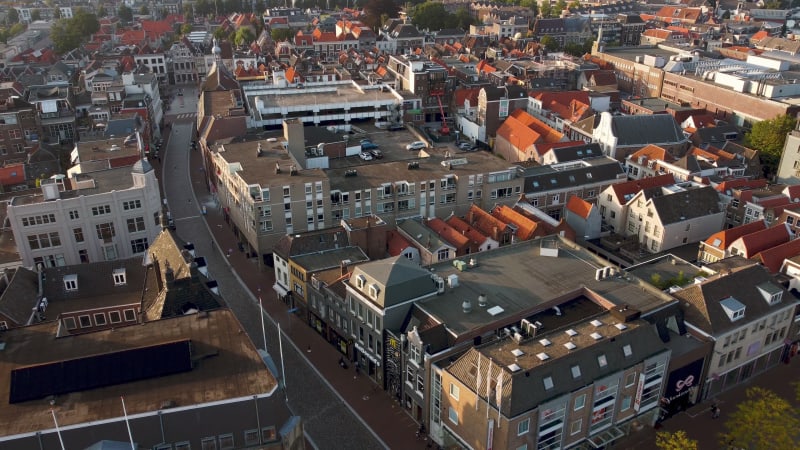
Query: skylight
[[543, 356], [596, 323], [545, 342], [514, 368], [571, 332], [570, 346], [517, 352], [621, 326], [596, 336]]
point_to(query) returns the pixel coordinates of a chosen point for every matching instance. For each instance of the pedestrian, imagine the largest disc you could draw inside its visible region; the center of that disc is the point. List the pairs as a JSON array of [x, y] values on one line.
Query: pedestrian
[[714, 411], [308, 350], [356, 375], [230, 251]]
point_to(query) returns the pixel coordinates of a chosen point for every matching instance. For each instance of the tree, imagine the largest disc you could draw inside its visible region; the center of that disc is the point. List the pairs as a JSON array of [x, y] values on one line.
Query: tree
[[68, 34], [125, 14], [430, 15], [186, 29], [574, 4], [244, 36], [561, 5], [549, 42], [36, 15], [102, 11], [281, 34], [463, 18], [675, 441], [144, 11], [533, 5], [219, 33], [764, 420], [12, 17], [57, 13], [768, 137], [202, 8], [375, 9], [188, 13], [545, 9]]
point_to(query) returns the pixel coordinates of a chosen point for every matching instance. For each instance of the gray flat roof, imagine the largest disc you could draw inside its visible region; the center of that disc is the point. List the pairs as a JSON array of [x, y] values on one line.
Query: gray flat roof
[[316, 261], [261, 169], [104, 181], [521, 281], [316, 94]]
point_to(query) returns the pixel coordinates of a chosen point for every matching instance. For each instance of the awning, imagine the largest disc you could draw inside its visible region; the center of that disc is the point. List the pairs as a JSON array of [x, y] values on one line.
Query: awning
[[280, 290], [606, 437]]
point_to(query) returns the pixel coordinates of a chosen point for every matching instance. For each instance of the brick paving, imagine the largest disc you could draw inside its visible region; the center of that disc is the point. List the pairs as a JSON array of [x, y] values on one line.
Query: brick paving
[[335, 408]]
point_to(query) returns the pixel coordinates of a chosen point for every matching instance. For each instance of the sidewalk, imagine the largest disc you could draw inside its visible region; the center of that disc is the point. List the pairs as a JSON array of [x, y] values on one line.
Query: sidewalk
[[375, 407], [697, 422]]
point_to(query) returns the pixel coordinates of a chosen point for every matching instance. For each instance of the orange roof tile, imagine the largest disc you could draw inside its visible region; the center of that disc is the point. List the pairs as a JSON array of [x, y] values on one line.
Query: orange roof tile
[[630, 188], [485, 222], [156, 27], [579, 206], [723, 239], [396, 243], [727, 187], [446, 232], [517, 134], [463, 227], [773, 258], [547, 133], [525, 226], [652, 151], [759, 241]]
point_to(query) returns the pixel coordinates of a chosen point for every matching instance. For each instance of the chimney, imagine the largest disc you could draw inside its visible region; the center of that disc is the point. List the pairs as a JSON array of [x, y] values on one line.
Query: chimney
[[343, 266], [169, 275], [194, 272]]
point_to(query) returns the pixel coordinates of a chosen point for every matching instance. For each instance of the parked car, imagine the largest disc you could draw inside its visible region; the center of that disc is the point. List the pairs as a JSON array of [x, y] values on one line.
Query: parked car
[[368, 145], [397, 127], [464, 145], [416, 145], [377, 154], [366, 156]]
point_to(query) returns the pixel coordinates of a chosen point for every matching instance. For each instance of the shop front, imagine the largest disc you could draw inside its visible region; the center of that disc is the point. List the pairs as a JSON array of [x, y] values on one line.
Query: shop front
[[682, 387], [717, 383], [368, 364]]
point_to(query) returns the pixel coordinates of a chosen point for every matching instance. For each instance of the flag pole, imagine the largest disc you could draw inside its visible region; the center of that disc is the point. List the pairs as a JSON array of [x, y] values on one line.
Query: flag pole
[[128, 424], [283, 364], [478, 384], [58, 431], [488, 385], [261, 313]]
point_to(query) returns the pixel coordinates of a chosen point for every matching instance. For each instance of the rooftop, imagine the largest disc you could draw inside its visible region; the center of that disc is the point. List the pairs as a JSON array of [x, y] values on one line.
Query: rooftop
[[516, 290], [85, 184], [242, 156], [315, 94], [224, 365]]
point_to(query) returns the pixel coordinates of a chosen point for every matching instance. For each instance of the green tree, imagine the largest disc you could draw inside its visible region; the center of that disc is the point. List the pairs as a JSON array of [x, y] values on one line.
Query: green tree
[[244, 36], [430, 15], [532, 4], [545, 9], [68, 34], [188, 13], [561, 5], [549, 42], [375, 9], [202, 8], [36, 15], [675, 441], [763, 421], [57, 13], [219, 33], [463, 18], [12, 17], [281, 34], [144, 11], [186, 29], [574, 4], [102, 11], [768, 137], [125, 14], [16, 29]]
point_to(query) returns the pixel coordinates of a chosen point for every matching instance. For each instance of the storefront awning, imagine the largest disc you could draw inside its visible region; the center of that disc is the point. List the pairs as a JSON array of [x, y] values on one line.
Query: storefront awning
[[606, 437], [280, 290]]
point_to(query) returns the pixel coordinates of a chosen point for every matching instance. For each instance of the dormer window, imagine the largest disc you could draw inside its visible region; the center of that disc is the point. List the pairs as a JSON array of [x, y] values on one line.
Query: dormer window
[[119, 277], [374, 290], [70, 283], [361, 280], [733, 308], [771, 293]]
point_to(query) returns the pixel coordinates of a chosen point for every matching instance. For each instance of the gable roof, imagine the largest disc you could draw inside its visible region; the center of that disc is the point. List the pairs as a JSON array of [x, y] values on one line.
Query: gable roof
[[463, 227], [759, 241], [446, 232], [396, 243], [772, 258], [646, 129], [485, 222], [722, 239], [517, 133], [625, 191], [579, 206], [526, 228], [690, 204]]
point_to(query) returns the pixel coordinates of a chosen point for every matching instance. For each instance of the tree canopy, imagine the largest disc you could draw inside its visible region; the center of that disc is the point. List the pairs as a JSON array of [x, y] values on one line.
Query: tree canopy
[[281, 34], [125, 14], [675, 441], [374, 10], [12, 17], [433, 16], [36, 15], [768, 137], [68, 34], [244, 36], [549, 42], [764, 420]]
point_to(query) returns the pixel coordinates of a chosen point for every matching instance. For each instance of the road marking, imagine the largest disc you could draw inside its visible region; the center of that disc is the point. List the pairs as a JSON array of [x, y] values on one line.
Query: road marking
[[187, 218]]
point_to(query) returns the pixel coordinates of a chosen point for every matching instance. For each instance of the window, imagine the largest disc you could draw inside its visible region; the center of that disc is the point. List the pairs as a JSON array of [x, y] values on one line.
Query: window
[[630, 379], [580, 402], [374, 290], [114, 317], [452, 414], [443, 254], [74, 215], [576, 372], [100, 319], [575, 427], [105, 231], [78, 233], [101, 210], [602, 361], [183, 446], [69, 323], [548, 383], [130, 315], [119, 277], [626, 349], [135, 224], [139, 245], [85, 321], [269, 434], [523, 427], [626, 403], [133, 204], [226, 442], [208, 443], [454, 391]]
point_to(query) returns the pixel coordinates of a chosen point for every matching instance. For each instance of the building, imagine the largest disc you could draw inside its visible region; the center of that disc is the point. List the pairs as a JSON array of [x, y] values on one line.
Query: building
[[427, 80], [18, 129], [55, 108], [102, 216], [583, 217], [614, 201], [746, 313], [620, 136], [718, 245], [152, 367], [788, 171]]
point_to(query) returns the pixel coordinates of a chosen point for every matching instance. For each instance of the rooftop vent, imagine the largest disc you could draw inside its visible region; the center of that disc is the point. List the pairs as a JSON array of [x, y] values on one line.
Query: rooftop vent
[[545, 342], [543, 356], [482, 300], [596, 336], [621, 326], [495, 310], [514, 368], [571, 332], [596, 323], [570, 346], [517, 352]]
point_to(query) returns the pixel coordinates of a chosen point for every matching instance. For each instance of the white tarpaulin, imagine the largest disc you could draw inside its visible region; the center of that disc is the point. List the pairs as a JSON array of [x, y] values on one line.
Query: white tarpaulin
[[49, 106]]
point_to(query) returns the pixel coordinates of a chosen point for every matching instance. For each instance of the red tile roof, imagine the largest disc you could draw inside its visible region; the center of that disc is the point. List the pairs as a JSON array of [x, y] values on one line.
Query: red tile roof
[[727, 187], [467, 94], [579, 206], [485, 222], [517, 134], [722, 239], [547, 133], [633, 187], [652, 151], [446, 232], [772, 258], [396, 243], [463, 227], [526, 228], [759, 241], [793, 192], [157, 27]]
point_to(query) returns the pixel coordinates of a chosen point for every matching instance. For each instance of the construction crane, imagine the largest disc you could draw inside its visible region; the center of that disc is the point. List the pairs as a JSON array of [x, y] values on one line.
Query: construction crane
[[445, 130]]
